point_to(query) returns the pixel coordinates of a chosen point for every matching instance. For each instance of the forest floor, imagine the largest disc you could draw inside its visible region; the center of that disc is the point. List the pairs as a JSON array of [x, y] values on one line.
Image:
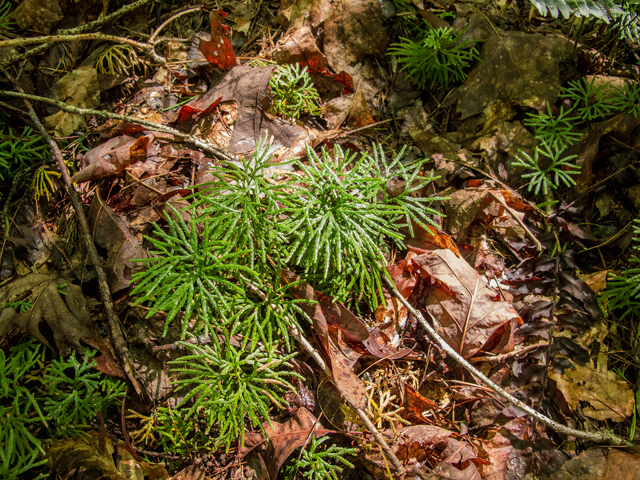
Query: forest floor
[[499, 188]]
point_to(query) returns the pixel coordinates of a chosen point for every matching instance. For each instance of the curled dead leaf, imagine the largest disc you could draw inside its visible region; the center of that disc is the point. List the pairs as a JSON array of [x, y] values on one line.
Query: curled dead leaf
[[56, 301]]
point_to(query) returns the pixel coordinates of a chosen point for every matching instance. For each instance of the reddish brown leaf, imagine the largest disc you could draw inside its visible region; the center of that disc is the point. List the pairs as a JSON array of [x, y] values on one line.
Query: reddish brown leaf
[[430, 240], [218, 50], [299, 46], [379, 345], [466, 313], [415, 404], [281, 441], [192, 472], [453, 459], [404, 276], [188, 116], [111, 232], [112, 157], [340, 356], [352, 109]]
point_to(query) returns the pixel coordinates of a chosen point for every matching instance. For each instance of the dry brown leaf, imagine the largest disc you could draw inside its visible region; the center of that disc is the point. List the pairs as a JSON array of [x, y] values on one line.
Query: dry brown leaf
[[249, 87], [330, 321], [110, 231], [112, 157], [299, 46], [66, 313], [192, 472], [419, 446], [280, 442], [38, 14], [602, 464], [350, 108], [353, 30], [468, 313], [113, 463], [609, 397], [78, 88]]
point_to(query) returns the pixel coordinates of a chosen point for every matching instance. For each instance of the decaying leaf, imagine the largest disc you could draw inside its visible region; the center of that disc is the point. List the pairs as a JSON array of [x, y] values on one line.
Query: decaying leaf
[[602, 464], [505, 461], [249, 87], [218, 49], [38, 14], [56, 301], [299, 46], [525, 74], [111, 232], [113, 463], [112, 157], [78, 88], [280, 442], [469, 315], [352, 109], [192, 472], [609, 396], [354, 29], [421, 447]]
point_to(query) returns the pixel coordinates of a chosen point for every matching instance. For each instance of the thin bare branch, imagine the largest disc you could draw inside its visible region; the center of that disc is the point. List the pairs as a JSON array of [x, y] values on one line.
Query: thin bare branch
[[601, 436], [198, 142], [115, 328]]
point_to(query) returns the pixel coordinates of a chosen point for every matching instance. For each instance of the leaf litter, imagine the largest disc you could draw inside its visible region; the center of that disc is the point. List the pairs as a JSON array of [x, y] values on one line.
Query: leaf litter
[[504, 281]]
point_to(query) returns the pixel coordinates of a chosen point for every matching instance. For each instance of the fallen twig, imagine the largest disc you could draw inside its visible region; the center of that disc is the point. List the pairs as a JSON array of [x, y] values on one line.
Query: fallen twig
[[601, 436], [363, 416], [51, 39], [72, 31], [171, 19], [207, 147], [323, 366], [512, 212], [115, 327]]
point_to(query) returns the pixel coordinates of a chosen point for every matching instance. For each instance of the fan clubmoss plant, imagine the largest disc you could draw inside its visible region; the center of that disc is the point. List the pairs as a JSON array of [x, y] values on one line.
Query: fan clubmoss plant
[[588, 101], [61, 399], [293, 92], [415, 208], [437, 59], [337, 226], [228, 384], [549, 168], [627, 99], [556, 132], [318, 463], [238, 205], [19, 151], [623, 291], [189, 274], [77, 392], [19, 411]]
